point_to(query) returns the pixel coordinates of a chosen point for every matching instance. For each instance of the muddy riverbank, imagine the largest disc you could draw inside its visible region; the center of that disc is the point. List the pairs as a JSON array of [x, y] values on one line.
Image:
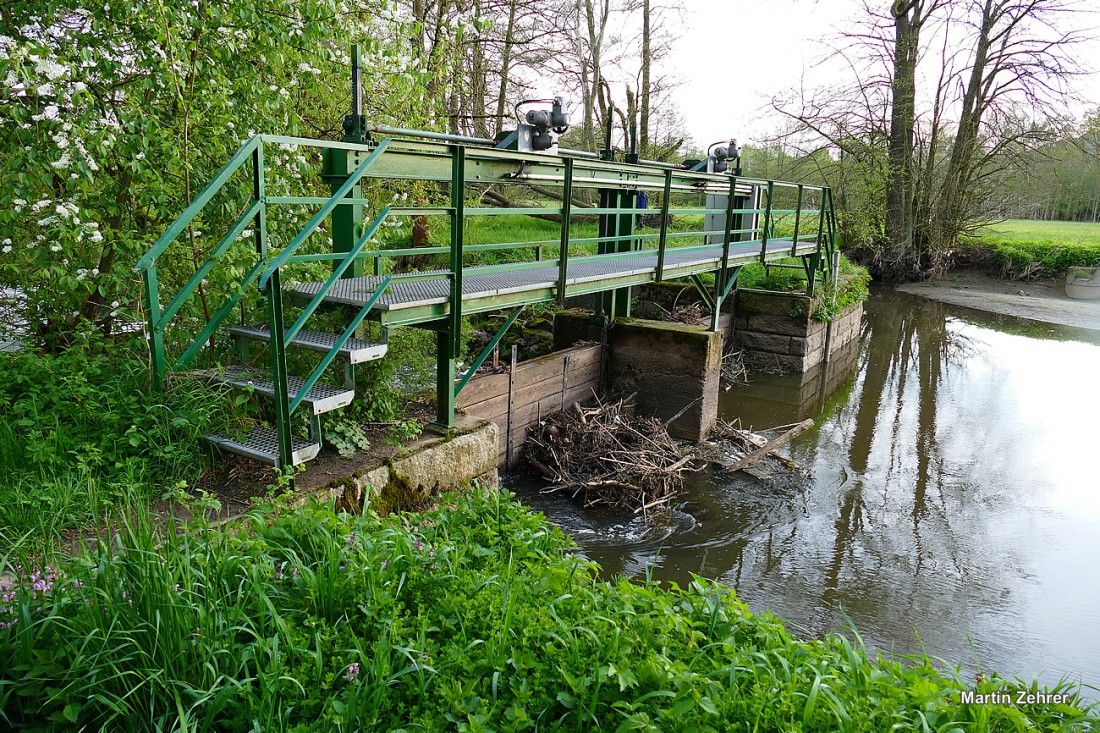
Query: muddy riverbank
[[1038, 300]]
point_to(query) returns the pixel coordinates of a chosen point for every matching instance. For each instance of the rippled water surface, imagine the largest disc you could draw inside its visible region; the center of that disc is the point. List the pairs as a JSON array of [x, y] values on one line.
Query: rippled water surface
[[953, 501]]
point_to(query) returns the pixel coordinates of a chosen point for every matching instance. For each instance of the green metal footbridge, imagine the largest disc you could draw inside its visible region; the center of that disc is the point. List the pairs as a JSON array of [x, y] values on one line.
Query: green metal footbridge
[[704, 223]]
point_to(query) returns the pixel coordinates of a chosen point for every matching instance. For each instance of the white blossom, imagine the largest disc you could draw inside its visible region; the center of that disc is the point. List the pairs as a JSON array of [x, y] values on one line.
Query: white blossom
[[6, 249], [49, 68], [55, 247]]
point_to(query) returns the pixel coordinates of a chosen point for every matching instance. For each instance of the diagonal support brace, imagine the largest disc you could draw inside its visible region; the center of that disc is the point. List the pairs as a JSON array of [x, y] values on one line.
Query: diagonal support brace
[[488, 348]]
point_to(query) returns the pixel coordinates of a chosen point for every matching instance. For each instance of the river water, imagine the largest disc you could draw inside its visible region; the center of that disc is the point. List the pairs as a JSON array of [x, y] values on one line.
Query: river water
[[952, 503]]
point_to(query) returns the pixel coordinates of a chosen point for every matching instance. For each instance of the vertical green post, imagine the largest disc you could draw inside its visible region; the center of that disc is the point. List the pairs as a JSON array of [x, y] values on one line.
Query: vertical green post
[[278, 370], [767, 223], [458, 213], [627, 202], [447, 339], [347, 220], [566, 213], [259, 193], [156, 329], [444, 379], [720, 277], [797, 221], [663, 240]]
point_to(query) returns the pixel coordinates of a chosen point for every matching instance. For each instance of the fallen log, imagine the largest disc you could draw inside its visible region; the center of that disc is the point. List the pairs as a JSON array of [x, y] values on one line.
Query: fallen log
[[771, 445]]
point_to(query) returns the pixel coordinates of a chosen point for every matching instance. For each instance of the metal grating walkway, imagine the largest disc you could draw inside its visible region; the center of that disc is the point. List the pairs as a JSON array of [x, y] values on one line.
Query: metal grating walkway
[[486, 282]]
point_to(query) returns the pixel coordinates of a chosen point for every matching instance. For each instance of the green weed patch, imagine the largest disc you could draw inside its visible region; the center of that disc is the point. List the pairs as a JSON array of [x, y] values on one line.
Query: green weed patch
[[475, 617], [1029, 249]]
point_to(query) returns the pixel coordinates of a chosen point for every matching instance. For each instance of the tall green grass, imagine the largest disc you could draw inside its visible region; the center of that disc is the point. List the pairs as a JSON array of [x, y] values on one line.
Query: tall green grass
[[476, 617]]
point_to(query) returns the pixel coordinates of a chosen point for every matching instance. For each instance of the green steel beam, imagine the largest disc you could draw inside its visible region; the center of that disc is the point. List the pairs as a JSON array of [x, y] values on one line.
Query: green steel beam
[[662, 238], [702, 289]]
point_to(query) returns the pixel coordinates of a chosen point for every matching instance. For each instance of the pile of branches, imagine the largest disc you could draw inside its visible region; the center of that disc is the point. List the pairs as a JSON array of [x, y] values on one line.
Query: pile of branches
[[606, 455]]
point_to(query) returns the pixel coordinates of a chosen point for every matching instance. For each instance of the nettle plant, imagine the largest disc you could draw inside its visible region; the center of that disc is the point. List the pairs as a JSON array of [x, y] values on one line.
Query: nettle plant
[[112, 118]]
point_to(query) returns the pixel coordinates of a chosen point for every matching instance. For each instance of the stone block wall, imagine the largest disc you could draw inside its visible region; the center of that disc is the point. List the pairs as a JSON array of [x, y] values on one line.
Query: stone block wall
[[777, 330], [670, 366]]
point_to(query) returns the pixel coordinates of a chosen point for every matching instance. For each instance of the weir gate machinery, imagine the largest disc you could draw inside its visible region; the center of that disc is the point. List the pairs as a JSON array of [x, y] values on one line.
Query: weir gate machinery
[[708, 219]]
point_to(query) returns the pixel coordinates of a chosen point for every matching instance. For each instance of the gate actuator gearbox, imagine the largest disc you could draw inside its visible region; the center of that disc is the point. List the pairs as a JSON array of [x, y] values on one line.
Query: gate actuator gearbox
[[539, 129]]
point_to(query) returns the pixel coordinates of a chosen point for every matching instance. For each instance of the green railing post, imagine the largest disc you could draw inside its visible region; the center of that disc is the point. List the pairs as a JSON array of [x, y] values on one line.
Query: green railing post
[[797, 221], [444, 379], [723, 272], [156, 328], [767, 223], [447, 339], [278, 370], [663, 240], [259, 192], [566, 212], [458, 205], [821, 220]]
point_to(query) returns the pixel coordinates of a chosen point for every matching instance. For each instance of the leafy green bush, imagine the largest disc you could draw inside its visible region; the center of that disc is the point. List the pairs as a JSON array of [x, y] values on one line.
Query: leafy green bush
[[851, 288], [476, 617], [1042, 259], [84, 431]]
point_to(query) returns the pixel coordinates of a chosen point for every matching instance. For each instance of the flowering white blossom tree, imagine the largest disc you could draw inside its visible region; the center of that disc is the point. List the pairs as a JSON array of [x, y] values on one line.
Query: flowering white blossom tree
[[113, 117]]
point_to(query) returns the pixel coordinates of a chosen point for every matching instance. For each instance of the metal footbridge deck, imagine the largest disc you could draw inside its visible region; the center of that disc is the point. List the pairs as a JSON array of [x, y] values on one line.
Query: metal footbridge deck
[[412, 301], [345, 261]]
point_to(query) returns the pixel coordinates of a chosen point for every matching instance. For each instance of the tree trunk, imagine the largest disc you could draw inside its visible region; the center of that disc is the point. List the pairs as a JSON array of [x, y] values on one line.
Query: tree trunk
[[899, 182], [506, 65], [644, 91]]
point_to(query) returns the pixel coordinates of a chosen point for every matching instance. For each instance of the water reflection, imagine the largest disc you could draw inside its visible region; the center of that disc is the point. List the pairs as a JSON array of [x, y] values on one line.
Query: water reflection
[[952, 504]]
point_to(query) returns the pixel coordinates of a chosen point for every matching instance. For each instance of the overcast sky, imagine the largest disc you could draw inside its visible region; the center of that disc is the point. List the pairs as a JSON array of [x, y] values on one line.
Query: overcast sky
[[734, 55]]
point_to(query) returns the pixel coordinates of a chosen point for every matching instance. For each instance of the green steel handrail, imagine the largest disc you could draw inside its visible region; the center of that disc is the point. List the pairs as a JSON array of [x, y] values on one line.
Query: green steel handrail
[[212, 327], [337, 272], [184, 220], [323, 212], [245, 220], [328, 358]]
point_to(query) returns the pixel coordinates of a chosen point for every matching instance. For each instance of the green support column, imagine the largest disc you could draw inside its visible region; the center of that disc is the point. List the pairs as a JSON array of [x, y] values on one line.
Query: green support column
[[278, 371], [447, 339], [347, 220], [616, 303]]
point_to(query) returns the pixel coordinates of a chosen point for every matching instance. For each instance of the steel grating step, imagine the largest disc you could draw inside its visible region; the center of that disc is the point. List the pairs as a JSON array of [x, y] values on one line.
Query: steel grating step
[[356, 351], [320, 398], [262, 444]]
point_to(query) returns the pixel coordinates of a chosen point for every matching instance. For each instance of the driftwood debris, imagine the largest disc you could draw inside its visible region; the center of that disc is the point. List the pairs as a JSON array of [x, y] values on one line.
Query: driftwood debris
[[606, 455], [771, 445]]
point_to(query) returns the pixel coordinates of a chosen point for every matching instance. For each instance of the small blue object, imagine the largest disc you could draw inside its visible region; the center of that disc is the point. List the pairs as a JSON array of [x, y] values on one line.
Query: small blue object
[[643, 200]]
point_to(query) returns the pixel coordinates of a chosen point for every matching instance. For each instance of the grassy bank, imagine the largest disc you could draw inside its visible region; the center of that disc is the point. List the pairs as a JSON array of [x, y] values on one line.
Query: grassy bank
[[475, 617], [1027, 249]]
